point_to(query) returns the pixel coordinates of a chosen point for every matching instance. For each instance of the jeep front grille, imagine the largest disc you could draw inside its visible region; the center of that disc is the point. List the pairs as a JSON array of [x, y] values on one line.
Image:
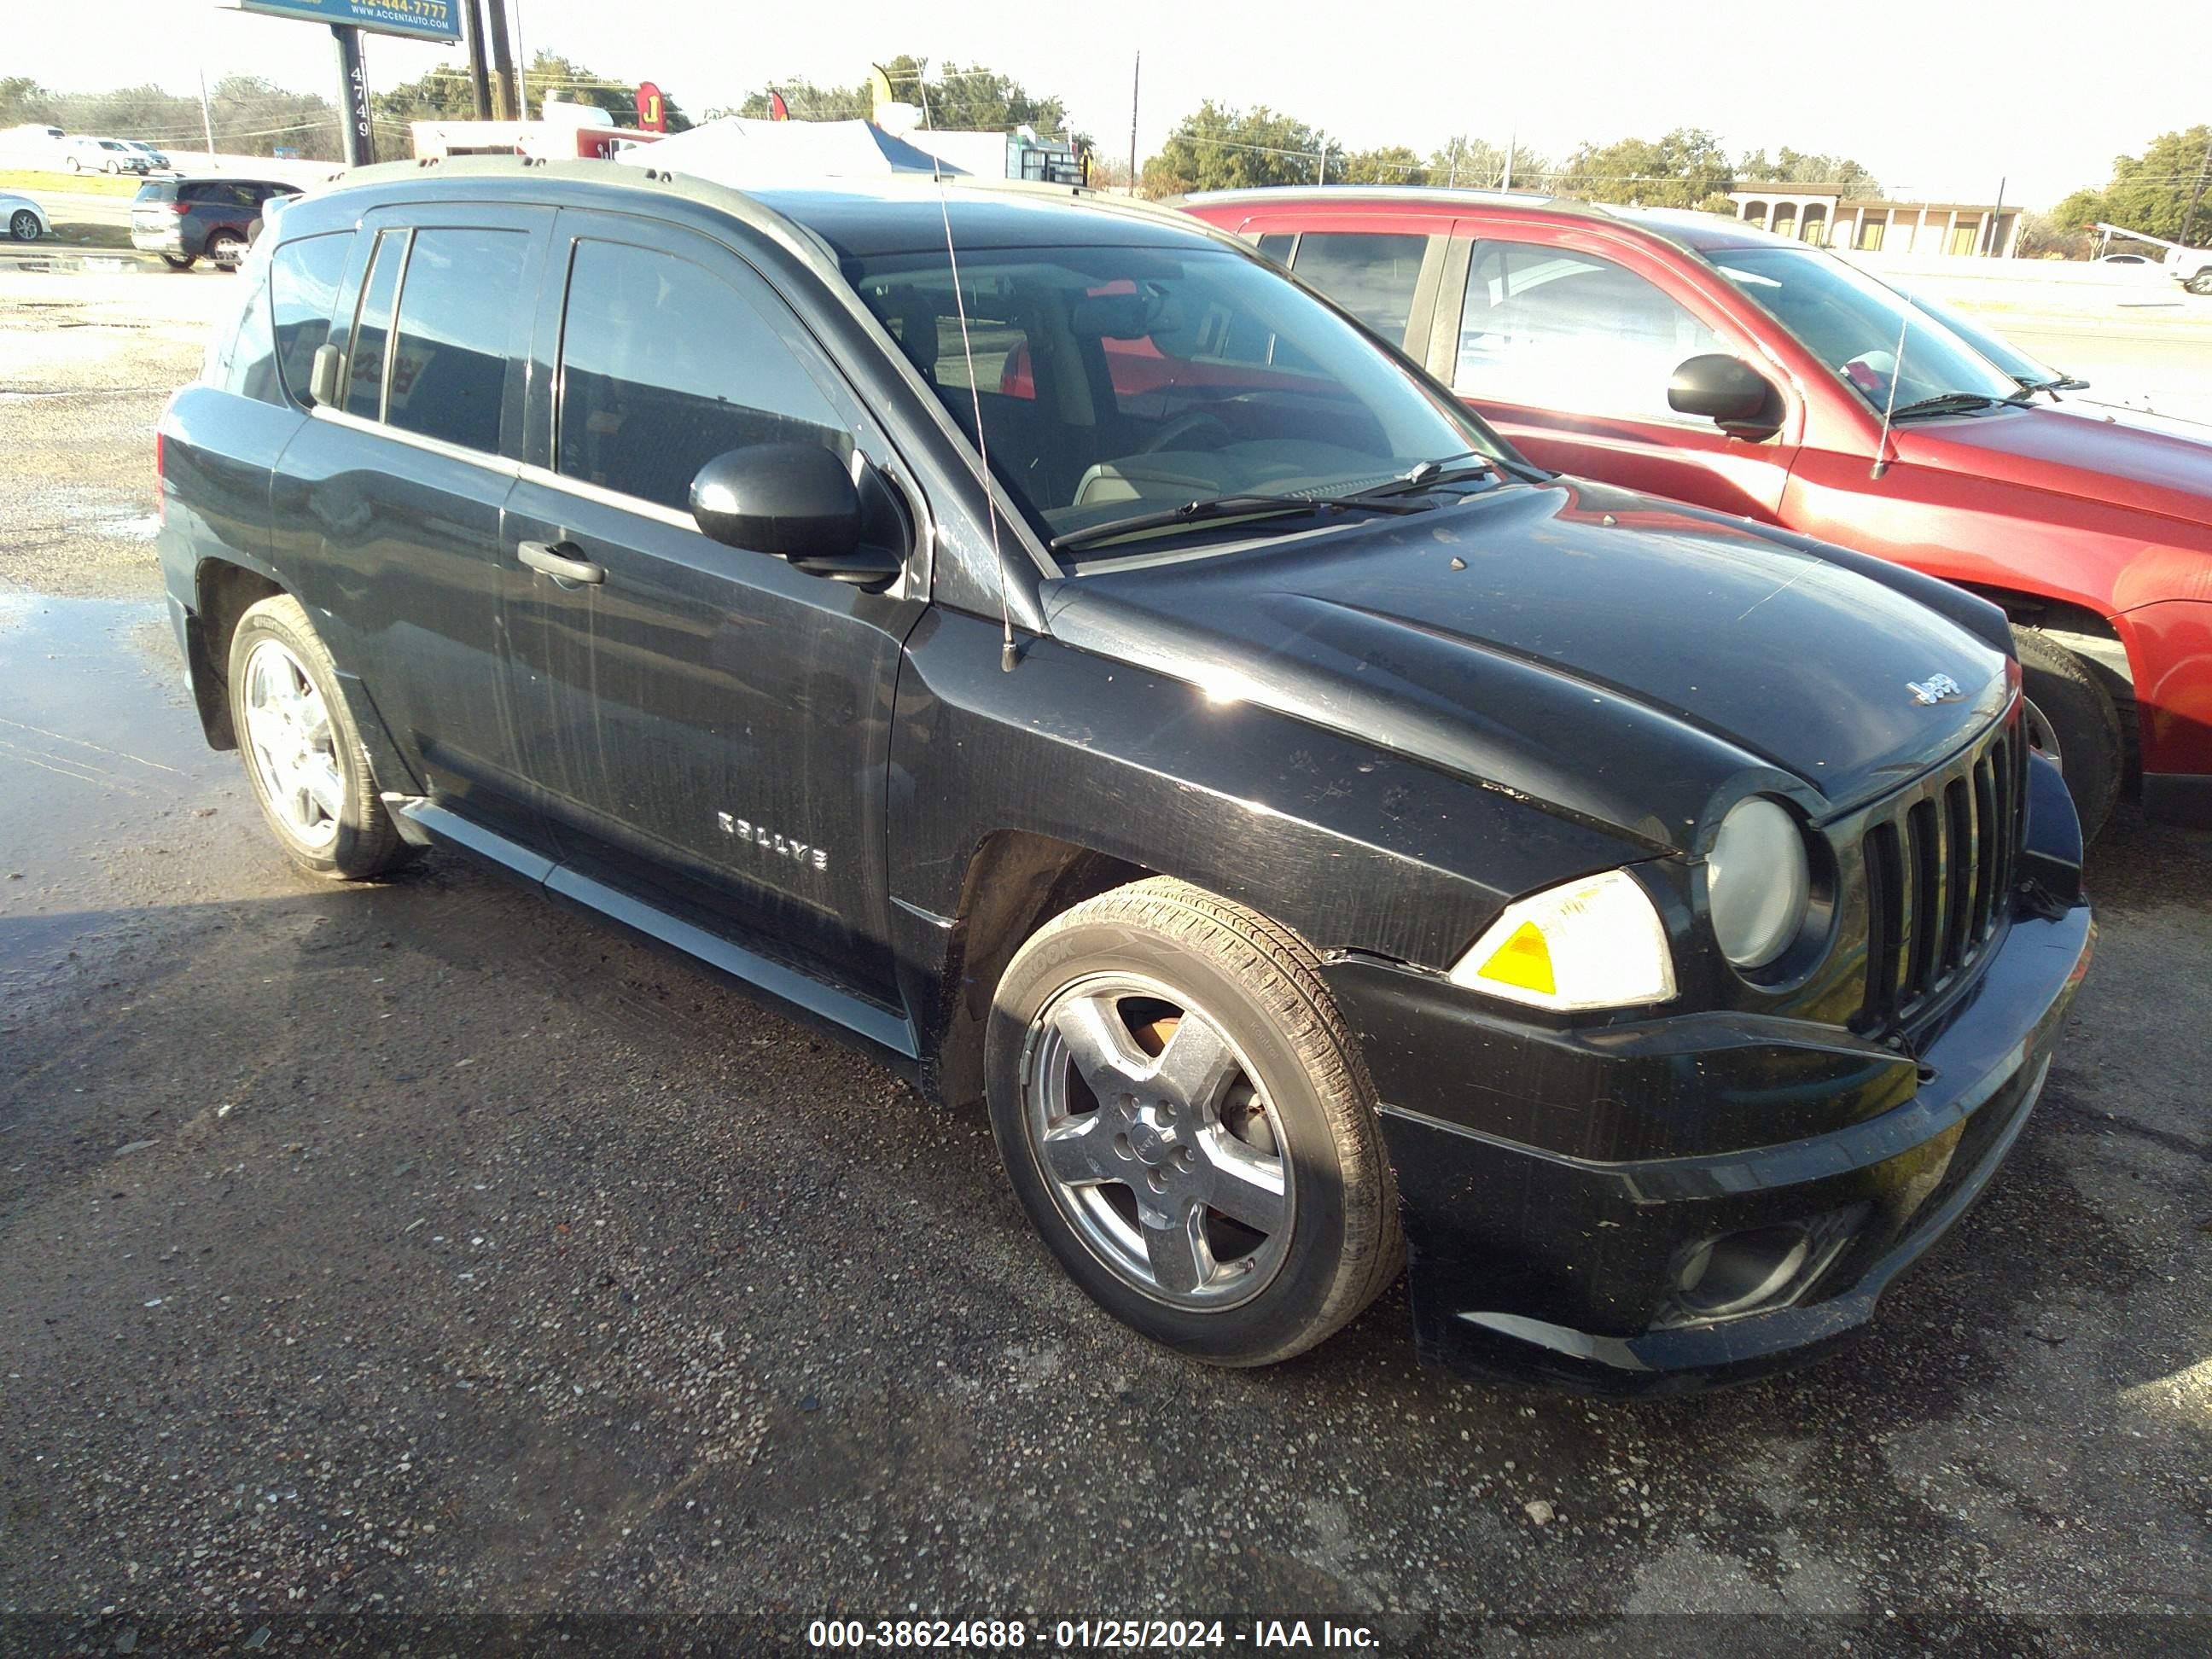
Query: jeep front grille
[[1939, 857]]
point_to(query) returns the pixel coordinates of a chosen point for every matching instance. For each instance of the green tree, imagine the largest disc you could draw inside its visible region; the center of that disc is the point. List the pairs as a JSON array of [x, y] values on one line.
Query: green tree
[[1687, 168], [959, 97], [564, 79], [1477, 164], [443, 94], [24, 102], [1218, 148], [1391, 164], [2151, 192], [1791, 166]]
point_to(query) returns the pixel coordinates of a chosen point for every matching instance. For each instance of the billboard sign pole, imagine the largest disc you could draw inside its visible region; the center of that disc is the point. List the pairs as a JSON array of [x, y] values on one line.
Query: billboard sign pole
[[360, 134]]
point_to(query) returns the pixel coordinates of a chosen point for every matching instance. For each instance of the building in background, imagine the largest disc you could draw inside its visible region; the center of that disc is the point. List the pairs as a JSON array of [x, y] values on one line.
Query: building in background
[[1020, 153], [1823, 214]]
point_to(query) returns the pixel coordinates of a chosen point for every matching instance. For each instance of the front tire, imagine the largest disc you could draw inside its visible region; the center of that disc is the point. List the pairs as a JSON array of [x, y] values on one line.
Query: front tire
[[2200, 283], [303, 756], [24, 226], [2072, 719], [1188, 1123]]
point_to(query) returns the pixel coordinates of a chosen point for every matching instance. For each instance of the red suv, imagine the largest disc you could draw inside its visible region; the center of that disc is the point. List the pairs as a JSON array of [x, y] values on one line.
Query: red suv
[[1692, 356]]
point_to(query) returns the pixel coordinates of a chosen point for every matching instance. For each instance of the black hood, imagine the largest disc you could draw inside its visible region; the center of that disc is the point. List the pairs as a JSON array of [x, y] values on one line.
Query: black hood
[[1614, 656]]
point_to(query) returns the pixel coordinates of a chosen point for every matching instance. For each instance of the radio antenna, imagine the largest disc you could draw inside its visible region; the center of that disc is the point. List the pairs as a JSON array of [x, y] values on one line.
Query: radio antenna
[[1008, 655], [1896, 373]]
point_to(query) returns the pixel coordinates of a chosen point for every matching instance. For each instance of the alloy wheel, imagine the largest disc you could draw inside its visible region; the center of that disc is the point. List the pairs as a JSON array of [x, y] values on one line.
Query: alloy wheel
[[1158, 1142], [295, 751], [24, 226]]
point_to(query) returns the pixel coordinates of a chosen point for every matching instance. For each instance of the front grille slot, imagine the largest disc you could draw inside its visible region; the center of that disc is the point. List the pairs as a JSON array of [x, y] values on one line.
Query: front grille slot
[[1938, 861]]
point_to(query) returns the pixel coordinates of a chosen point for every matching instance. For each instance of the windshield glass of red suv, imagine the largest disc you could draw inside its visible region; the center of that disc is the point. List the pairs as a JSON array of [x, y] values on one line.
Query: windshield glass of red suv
[[1116, 380], [1851, 323]]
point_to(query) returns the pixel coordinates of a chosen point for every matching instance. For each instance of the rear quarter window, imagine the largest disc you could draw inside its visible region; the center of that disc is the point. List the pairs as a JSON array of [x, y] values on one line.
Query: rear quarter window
[[303, 292]]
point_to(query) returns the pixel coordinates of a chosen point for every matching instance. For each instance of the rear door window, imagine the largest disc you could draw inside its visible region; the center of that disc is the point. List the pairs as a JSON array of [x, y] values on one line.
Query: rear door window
[[1372, 274], [664, 366], [457, 313], [303, 291]]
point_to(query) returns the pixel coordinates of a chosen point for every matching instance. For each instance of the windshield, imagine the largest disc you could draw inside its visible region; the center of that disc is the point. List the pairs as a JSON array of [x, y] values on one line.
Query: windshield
[[1851, 322], [2027, 370], [1115, 380]]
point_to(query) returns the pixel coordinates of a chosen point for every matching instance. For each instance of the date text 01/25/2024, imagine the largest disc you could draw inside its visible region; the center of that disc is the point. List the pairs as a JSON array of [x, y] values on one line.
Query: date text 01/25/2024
[[1078, 1635]]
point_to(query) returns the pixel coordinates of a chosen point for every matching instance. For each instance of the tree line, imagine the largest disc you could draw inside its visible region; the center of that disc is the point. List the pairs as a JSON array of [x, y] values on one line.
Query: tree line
[[251, 116], [2166, 191]]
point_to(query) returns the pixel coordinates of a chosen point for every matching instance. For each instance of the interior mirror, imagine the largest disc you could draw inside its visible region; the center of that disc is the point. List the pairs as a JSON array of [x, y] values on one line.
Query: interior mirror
[[324, 373], [1729, 391], [797, 502]]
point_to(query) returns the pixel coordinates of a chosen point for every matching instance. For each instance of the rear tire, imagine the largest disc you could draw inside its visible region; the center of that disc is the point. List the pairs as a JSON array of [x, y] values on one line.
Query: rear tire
[[176, 262], [2080, 718], [1265, 1129], [225, 250], [303, 757], [2200, 283]]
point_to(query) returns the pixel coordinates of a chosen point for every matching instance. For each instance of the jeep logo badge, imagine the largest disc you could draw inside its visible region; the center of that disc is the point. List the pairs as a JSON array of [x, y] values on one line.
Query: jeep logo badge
[[1936, 688]]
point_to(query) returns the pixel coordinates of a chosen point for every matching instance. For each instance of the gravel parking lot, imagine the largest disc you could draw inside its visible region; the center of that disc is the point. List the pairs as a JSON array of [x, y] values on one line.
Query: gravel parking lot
[[426, 1249]]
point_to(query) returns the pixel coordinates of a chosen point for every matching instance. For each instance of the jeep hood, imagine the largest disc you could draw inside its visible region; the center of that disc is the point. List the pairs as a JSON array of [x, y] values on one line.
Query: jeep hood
[[1615, 658]]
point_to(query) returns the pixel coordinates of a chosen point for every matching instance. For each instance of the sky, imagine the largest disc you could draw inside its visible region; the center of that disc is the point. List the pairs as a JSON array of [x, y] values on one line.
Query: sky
[[1942, 99]]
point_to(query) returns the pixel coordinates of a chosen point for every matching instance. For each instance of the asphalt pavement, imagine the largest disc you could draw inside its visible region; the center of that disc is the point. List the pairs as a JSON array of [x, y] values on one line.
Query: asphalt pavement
[[425, 1250]]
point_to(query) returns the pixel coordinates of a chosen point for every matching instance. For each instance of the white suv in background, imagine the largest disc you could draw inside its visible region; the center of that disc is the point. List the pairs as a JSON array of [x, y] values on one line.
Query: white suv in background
[[83, 154]]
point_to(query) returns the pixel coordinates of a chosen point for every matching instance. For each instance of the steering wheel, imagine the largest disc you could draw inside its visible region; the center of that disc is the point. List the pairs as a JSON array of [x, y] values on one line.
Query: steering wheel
[[1183, 426]]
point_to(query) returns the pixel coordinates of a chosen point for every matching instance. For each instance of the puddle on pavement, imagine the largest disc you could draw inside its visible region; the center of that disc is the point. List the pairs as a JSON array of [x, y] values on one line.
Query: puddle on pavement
[[100, 746]]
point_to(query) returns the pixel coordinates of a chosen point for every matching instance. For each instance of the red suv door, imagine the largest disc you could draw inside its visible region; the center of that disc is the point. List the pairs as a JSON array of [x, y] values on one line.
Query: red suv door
[[1567, 337]]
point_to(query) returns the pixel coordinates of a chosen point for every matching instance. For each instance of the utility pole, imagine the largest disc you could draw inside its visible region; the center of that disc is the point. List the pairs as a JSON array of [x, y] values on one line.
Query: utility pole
[[472, 26], [1993, 246], [502, 64], [1136, 76], [2188, 213], [207, 115], [1512, 143], [1453, 180], [1321, 172]]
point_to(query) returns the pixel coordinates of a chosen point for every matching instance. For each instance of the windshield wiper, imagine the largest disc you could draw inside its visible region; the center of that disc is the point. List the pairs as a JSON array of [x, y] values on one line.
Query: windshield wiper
[[1427, 475], [1219, 506], [1957, 402]]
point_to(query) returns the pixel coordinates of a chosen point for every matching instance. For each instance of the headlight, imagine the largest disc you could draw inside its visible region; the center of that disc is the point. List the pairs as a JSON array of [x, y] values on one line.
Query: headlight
[[1593, 943], [1758, 883]]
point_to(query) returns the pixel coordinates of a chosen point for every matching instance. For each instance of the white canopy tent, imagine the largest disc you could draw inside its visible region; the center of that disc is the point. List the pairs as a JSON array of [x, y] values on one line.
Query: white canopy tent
[[743, 153]]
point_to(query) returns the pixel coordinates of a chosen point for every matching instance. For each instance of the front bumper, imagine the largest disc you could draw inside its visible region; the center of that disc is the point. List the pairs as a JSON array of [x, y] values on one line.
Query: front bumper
[[1558, 1190]]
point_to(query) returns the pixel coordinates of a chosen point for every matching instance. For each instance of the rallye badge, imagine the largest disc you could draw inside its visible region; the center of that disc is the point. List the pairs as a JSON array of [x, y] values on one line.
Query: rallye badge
[[798, 852]]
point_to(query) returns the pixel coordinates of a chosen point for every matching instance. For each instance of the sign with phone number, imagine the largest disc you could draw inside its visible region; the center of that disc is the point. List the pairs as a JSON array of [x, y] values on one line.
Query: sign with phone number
[[425, 19]]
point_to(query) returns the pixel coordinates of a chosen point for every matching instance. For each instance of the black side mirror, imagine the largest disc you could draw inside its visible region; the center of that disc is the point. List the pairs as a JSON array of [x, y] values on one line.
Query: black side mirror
[[1729, 393], [797, 503]]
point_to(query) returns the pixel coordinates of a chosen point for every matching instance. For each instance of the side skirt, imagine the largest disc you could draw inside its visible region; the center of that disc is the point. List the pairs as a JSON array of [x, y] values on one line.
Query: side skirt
[[886, 1034]]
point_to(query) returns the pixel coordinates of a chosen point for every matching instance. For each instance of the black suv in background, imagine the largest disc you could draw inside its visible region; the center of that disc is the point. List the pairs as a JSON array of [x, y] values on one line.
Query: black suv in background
[[1311, 831], [186, 219]]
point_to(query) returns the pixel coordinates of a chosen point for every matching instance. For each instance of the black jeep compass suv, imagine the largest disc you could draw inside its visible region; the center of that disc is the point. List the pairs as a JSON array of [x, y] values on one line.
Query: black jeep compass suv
[[1046, 644]]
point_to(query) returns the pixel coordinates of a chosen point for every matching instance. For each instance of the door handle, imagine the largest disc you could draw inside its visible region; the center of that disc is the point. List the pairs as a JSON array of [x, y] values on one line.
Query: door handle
[[539, 557]]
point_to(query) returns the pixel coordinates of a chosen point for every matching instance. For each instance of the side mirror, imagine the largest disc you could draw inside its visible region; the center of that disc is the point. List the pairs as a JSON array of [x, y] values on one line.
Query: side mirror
[[797, 503], [324, 373], [1729, 393]]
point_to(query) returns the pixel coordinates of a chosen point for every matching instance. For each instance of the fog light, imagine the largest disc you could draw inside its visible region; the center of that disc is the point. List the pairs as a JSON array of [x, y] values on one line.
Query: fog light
[[1738, 1271]]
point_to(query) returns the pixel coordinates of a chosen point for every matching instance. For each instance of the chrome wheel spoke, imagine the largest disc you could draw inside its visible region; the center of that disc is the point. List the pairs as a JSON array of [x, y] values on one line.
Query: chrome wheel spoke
[[1176, 1246], [1100, 1046], [1197, 1066], [1080, 1151], [1245, 1186], [319, 782]]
